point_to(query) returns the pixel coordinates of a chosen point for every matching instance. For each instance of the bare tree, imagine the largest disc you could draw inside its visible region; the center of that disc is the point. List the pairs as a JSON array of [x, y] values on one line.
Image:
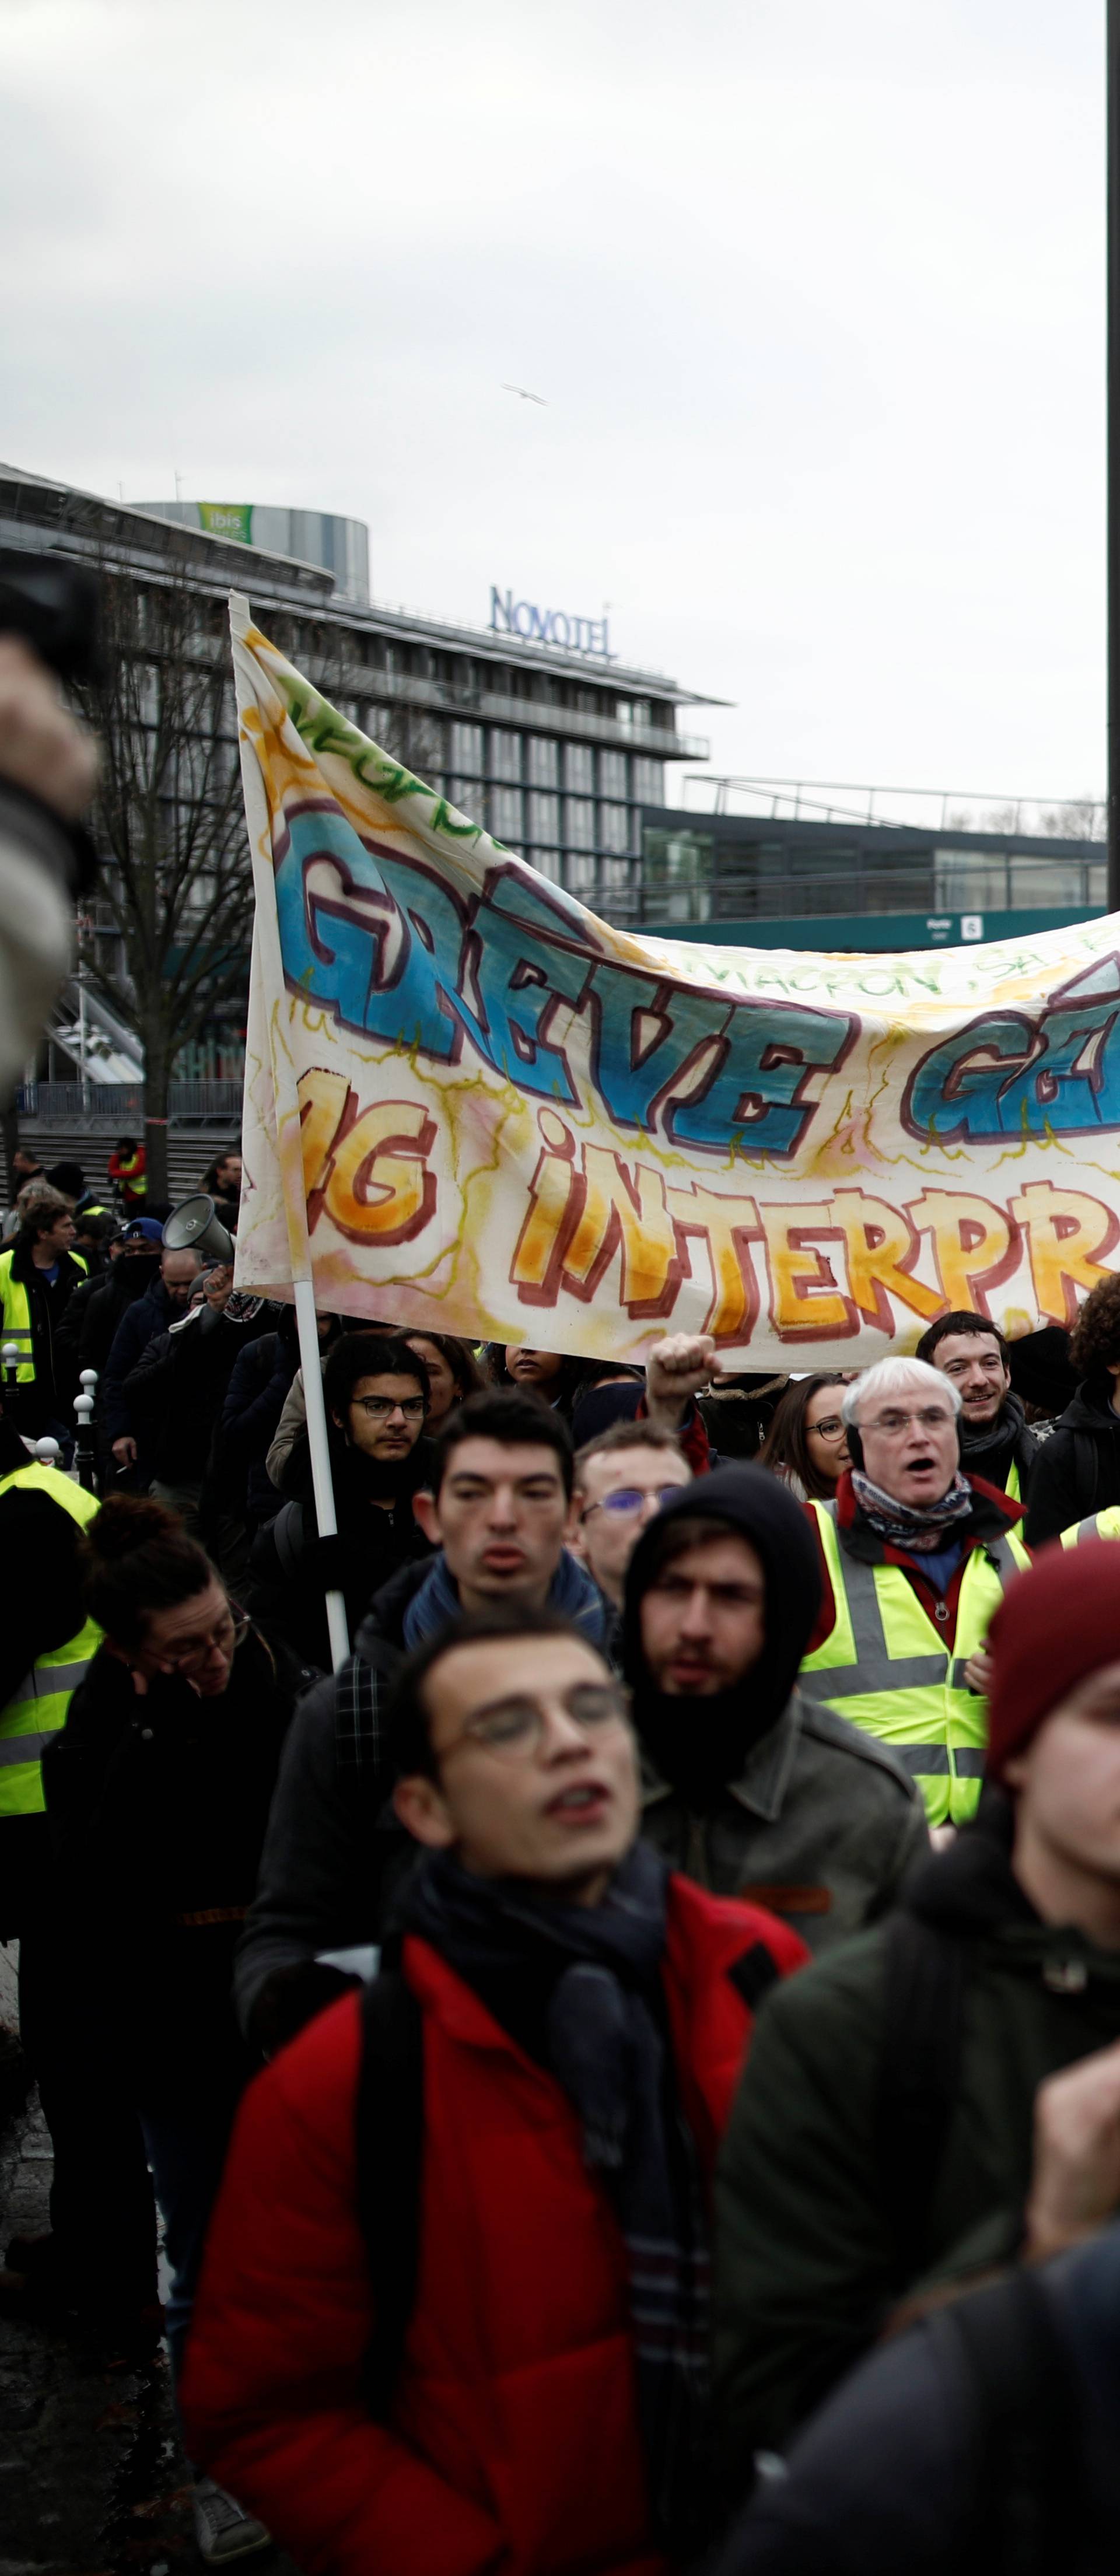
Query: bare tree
[[169, 822]]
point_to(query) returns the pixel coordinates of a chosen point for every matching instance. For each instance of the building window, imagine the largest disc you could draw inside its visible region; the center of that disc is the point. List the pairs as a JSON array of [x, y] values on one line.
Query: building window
[[612, 774], [649, 782], [579, 770], [579, 873], [544, 818], [544, 764], [505, 813], [466, 749], [548, 861], [966, 881], [614, 827], [505, 756], [580, 829], [469, 796]]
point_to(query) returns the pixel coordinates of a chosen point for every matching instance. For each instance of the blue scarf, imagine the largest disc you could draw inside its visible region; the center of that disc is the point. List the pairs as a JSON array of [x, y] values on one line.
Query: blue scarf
[[571, 1591]]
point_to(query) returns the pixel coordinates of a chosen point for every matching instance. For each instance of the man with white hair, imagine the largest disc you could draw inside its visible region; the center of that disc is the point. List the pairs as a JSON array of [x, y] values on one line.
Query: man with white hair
[[916, 1556]]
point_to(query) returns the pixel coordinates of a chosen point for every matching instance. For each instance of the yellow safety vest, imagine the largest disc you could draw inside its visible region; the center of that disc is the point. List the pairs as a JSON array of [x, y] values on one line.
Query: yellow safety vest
[[15, 1317], [39, 1705], [886, 1667], [1104, 1524], [1013, 1488]]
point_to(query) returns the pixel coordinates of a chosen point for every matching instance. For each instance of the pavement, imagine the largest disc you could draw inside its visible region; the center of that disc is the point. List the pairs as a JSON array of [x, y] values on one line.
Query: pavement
[[92, 2476]]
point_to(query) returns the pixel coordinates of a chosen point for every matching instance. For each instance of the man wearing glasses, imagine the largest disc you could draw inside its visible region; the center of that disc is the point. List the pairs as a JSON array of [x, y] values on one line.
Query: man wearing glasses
[[622, 1479], [530, 2302], [915, 1558]]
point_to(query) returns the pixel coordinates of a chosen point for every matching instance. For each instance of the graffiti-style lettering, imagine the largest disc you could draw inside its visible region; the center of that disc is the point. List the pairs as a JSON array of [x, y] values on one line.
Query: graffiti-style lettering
[[726, 1224], [1068, 1235], [804, 1297], [882, 1247], [953, 1093], [366, 1167], [624, 1204], [975, 1246], [754, 1096]]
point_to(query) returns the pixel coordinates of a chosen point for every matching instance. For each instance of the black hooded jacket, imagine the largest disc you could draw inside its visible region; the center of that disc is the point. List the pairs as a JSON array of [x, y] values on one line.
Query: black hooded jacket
[[752, 1790], [1078, 1467]]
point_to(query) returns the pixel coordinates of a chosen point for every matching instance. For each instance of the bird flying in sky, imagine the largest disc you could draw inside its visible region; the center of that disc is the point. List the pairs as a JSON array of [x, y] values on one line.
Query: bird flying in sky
[[526, 396]]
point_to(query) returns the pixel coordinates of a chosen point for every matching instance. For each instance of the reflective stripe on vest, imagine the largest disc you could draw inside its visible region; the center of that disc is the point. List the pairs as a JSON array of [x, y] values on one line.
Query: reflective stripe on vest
[[885, 1669], [38, 1708], [1104, 1524]]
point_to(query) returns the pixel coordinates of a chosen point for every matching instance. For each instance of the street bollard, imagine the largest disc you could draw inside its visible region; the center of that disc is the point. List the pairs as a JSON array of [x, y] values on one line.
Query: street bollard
[[86, 1448], [47, 1452]]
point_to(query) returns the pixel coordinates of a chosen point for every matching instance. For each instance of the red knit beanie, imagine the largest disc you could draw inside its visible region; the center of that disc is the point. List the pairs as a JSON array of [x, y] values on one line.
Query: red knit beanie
[[1056, 1624]]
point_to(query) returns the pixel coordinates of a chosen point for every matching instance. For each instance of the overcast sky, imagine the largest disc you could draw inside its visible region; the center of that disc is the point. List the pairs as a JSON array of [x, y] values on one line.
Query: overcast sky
[[813, 290]]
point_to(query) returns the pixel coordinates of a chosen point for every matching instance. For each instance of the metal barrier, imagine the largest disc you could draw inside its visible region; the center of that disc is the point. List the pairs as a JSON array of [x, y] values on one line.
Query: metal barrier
[[124, 1101]]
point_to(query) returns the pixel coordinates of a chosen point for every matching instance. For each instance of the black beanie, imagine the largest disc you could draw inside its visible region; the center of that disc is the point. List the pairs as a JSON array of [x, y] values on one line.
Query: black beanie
[[694, 1740]]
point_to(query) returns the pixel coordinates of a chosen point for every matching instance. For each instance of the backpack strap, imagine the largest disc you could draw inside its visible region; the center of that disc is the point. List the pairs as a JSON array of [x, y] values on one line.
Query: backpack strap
[[288, 1536], [1026, 2445], [390, 2124], [922, 2025]]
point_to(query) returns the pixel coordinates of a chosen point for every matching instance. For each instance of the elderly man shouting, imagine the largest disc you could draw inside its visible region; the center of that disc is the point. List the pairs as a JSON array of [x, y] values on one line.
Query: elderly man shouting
[[915, 1558]]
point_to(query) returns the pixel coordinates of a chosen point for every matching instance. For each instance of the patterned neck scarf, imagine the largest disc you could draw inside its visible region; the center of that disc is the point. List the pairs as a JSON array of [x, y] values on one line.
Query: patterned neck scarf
[[920, 1527]]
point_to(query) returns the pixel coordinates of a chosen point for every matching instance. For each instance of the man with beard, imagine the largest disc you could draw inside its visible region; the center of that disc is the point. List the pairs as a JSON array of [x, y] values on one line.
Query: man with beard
[[995, 1441], [749, 1788]]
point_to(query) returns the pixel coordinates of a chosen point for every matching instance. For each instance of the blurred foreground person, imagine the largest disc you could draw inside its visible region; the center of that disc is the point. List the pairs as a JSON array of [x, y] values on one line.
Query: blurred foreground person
[[499, 1513], [916, 1555], [985, 2442], [807, 1443], [748, 1787], [453, 2311], [622, 1479], [885, 2139], [48, 770], [99, 2257], [158, 1791]]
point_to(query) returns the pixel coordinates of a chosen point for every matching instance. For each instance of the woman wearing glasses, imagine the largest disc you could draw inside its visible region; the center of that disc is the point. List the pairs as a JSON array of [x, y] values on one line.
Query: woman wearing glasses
[[806, 1444], [377, 1398], [158, 1794]]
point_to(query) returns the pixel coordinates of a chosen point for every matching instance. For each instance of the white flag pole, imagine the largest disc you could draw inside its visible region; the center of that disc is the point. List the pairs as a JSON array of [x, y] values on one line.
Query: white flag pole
[[268, 967]]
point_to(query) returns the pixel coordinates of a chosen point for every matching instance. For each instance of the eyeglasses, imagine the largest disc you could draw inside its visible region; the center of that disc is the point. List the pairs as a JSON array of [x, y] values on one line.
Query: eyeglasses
[[834, 1428], [513, 1729], [629, 1498], [224, 1639], [377, 1408], [929, 1417]]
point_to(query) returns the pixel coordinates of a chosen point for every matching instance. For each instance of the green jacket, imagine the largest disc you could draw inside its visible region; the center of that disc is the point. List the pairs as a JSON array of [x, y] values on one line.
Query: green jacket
[[803, 2258], [821, 1826]]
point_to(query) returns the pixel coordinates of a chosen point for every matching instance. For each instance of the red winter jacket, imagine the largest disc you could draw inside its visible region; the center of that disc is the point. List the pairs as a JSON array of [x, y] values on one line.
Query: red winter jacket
[[514, 2442]]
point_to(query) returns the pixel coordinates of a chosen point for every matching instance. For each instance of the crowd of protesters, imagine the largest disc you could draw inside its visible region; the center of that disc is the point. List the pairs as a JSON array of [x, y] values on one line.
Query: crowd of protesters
[[677, 1951]]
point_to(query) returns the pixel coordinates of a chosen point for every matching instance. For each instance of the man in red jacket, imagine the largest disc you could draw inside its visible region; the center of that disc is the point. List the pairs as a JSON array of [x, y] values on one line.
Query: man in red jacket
[[583, 2017]]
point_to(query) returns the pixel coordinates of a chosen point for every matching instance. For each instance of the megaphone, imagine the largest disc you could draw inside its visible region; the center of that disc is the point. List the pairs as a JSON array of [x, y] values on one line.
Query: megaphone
[[193, 1227]]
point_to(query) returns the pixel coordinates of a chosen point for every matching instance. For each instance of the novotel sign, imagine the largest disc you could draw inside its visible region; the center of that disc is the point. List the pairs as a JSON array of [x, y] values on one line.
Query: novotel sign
[[510, 616]]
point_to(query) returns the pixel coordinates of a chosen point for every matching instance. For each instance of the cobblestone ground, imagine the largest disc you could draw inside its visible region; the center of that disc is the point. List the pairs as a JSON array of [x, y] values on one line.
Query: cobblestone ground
[[92, 2478]]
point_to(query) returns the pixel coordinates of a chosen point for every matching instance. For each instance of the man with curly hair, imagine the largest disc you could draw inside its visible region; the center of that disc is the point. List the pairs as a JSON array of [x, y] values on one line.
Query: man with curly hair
[[1078, 1468]]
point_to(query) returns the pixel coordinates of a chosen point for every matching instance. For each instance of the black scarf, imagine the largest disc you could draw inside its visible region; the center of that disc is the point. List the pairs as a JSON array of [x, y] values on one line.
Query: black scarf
[[699, 1744], [992, 1446], [579, 1988]]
